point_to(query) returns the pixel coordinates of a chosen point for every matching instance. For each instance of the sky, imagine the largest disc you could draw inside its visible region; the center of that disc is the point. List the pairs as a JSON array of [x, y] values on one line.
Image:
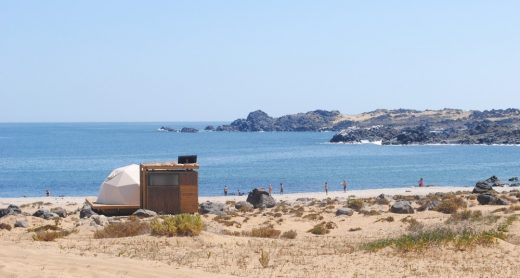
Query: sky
[[112, 61]]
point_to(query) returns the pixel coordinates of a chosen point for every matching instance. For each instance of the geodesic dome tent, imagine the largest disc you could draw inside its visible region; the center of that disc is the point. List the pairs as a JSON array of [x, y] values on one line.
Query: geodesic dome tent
[[121, 187]]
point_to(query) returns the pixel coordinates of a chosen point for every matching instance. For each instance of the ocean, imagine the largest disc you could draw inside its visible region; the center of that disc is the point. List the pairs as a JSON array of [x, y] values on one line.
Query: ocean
[[73, 159]]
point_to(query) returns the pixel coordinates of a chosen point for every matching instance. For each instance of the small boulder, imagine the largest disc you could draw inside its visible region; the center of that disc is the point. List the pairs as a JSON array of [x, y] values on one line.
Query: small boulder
[[344, 211], [212, 208], [144, 213], [21, 224], [260, 198], [10, 210], [61, 212], [45, 214], [403, 207], [243, 205], [86, 212], [488, 199]]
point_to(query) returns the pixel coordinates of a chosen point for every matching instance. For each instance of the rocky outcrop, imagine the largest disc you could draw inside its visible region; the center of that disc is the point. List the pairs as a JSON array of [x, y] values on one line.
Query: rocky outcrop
[[486, 186], [168, 129], [260, 198], [189, 130], [403, 207], [488, 199], [447, 126], [45, 214], [86, 212], [21, 224], [317, 120], [10, 210], [213, 208], [61, 212], [209, 128]]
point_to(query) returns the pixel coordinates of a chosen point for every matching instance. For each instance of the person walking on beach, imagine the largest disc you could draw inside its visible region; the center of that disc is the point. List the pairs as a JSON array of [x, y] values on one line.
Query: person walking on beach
[[281, 188], [421, 182], [47, 193], [344, 183], [270, 189], [326, 187], [225, 190]]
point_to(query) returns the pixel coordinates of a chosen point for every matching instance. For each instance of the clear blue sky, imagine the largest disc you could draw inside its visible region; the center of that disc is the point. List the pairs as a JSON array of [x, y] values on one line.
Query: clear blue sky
[[218, 60]]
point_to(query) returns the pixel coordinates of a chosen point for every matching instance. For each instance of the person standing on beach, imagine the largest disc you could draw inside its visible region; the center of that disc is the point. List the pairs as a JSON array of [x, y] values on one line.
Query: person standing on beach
[[270, 189], [421, 182], [281, 188], [326, 187], [225, 190], [344, 183]]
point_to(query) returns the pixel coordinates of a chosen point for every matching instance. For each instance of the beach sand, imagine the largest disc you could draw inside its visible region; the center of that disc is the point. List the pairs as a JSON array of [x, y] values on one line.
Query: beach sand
[[219, 253]]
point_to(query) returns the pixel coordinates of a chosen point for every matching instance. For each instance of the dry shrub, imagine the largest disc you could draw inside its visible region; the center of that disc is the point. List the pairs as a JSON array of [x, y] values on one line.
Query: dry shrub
[[465, 215], [124, 229], [355, 204], [386, 219], [5, 226], [264, 259], [225, 220], [180, 225], [413, 224], [291, 234], [278, 214], [313, 217], [322, 228], [43, 235], [297, 211], [231, 233], [371, 212], [354, 229], [451, 204], [514, 207], [264, 232]]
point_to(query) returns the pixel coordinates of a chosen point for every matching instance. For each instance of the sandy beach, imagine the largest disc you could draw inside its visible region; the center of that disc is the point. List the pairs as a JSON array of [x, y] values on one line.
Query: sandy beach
[[227, 248]]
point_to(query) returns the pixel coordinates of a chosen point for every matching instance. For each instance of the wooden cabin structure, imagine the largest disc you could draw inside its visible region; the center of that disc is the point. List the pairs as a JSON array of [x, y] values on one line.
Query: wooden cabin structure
[[169, 188]]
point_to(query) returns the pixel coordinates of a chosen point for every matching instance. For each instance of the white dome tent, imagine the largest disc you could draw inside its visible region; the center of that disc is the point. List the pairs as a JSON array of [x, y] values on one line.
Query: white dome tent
[[121, 187]]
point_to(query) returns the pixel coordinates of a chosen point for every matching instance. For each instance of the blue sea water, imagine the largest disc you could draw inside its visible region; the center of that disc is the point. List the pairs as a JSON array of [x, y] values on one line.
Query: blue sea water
[[72, 159]]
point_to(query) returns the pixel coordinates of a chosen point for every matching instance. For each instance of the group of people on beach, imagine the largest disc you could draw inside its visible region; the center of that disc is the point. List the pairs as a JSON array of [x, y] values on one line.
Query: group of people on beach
[[344, 184]]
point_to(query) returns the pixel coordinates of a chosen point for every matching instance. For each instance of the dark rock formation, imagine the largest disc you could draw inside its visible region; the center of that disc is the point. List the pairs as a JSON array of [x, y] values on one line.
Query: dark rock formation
[[10, 210], [212, 208], [45, 214], [189, 130], [317, 120], [60, 212], [209, 128], [486, 186], [403, 207], [428, 205], [144, 213], [488, 199], [447, 126], [86, 212], [168, 129], [260, 198]]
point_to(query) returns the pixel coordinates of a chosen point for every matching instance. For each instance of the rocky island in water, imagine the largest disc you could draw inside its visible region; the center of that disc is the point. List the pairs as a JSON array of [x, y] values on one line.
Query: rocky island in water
[[395, 127]]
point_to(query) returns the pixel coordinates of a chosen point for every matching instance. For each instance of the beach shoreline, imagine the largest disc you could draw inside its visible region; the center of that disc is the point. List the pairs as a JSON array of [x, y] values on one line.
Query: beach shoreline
[[358, 193]]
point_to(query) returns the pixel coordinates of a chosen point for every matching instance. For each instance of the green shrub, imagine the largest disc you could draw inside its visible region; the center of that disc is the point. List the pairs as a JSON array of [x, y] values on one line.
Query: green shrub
[[180, 225]]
